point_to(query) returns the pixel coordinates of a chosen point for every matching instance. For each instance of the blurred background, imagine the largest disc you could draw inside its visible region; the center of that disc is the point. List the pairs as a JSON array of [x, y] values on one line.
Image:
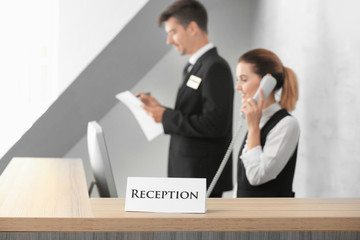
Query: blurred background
[[63, 62]]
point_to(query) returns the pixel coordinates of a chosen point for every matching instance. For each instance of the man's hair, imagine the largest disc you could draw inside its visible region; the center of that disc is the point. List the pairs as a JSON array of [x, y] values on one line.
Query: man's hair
[[186, 11]]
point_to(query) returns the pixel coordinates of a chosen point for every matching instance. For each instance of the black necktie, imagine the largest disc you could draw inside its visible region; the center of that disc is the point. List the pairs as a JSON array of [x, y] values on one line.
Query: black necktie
[[186, 69]]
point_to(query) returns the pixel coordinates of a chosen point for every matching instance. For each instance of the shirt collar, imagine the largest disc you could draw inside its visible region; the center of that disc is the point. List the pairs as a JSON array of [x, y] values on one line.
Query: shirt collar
[[200, 52], [268, 112]]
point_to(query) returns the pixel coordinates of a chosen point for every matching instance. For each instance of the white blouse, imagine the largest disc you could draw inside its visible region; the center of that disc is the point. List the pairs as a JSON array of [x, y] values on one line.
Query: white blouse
[[263, 165]]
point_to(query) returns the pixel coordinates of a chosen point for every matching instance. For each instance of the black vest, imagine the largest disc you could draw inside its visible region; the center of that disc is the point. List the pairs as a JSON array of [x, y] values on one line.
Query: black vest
[[281, 186]]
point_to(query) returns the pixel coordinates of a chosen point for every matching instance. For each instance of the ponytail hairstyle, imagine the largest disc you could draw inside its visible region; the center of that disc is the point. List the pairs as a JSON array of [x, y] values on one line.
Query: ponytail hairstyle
[[265, 61]]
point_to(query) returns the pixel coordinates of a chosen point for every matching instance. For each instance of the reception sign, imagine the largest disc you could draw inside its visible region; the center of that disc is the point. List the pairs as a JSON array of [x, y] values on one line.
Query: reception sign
[[175, 195]]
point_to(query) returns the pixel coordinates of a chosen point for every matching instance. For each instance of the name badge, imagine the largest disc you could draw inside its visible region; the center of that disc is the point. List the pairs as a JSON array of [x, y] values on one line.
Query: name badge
[[194, 82], [173, 195]]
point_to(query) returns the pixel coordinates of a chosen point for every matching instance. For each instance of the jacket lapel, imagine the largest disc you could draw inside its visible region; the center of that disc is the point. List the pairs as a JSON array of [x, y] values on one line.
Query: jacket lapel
[[183, 86], [193, 71]]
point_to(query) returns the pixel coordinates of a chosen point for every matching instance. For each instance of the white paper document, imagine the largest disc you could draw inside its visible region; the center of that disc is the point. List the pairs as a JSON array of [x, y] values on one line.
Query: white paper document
[[150, 128]]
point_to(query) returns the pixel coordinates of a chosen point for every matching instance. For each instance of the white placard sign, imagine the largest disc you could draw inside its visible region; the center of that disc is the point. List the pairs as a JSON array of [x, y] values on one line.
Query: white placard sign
[[173, 195]]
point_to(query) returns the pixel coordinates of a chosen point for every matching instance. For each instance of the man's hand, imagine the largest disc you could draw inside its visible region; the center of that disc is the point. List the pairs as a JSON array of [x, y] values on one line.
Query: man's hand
[[155, 112], [151, 106], [148, 100]]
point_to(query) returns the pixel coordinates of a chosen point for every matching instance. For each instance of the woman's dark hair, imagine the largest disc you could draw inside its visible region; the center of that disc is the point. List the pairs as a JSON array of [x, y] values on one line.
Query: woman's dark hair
[[265, 61], [186, 11]]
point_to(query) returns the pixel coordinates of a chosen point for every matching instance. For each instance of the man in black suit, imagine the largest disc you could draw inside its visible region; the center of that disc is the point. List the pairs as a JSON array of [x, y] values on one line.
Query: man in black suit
[[200, 125]]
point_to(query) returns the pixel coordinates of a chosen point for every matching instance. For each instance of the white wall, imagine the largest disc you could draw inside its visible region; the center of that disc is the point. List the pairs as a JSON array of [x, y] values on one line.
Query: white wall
[[130, 153], [28, 65], [85, 28], [36, 37], [320, 41]]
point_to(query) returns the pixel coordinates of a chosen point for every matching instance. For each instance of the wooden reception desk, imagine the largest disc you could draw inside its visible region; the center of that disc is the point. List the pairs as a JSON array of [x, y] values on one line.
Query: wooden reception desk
[[82, 218], [223, 215], [44, 187]]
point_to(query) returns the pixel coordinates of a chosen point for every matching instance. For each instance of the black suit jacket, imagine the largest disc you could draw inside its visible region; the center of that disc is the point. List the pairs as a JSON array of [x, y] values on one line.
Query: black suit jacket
[[201, 123]]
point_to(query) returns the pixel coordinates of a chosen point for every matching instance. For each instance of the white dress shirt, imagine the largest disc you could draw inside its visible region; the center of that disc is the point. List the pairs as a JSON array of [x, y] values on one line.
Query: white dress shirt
[[263, 165], [193, 59]]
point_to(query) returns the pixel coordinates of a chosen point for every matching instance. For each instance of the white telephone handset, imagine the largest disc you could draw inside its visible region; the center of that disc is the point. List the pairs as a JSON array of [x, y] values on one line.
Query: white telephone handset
[[267, 84]]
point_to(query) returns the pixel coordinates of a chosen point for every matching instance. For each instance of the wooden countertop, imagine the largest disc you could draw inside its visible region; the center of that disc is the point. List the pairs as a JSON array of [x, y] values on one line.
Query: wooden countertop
[[44, 187], [222, 215], [50, 195]]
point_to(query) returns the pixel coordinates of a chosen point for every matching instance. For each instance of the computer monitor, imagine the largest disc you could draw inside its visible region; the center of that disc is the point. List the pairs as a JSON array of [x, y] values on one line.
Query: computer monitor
[[100, 162]]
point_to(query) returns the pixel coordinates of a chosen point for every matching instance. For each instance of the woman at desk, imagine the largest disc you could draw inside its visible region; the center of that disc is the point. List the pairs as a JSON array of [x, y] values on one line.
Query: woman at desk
[[267, 157]]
